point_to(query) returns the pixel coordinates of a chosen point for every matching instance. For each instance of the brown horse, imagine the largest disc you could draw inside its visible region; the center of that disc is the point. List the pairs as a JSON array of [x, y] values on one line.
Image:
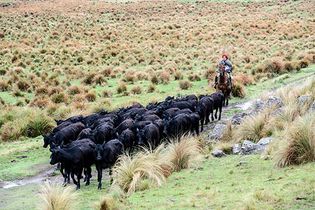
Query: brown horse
[[223, 85]]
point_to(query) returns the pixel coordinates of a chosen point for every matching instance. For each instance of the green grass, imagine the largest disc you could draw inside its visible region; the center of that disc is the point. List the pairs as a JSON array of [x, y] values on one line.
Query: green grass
[[216, 184], [222, 184], [14, 164]]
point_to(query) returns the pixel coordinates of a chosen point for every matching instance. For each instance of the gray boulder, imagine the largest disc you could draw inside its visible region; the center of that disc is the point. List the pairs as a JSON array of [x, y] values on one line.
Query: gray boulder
[[218, 153], [238, 118], [249, 147], [274, 101], [312, 108], [236, 149], [265, 141], [259, 105], [217, 132]]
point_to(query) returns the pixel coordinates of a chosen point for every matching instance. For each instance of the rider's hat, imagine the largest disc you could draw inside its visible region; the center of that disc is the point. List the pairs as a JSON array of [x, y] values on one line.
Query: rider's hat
[[226, 55]]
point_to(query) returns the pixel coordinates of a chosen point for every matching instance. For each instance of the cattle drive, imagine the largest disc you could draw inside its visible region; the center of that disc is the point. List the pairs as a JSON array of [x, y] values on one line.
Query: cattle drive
[[80, 142]]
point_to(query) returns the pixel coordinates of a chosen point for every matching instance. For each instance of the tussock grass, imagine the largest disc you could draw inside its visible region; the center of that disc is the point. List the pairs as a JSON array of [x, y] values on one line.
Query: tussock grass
[[185, 85], [253, 127], [182, 153], [238, 90], [299, 143], [129, 171], [107, 202], [55, 197]]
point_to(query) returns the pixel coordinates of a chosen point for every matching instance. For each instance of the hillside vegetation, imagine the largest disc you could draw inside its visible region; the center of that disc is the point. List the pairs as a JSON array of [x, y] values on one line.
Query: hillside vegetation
[[66, 57]]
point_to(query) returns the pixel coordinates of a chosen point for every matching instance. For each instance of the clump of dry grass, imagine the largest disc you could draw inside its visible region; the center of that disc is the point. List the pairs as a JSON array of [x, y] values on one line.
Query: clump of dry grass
[[182, 153], [253, 127], [4, 86], [165, 77], [136, 90], [178, 75], [151, 88], [185, 85], [238, 90], [107, 203], [194, 77], [55, 197], [228, 133], [107, 93], [129, 171], [90, 96], [226, 147], [300, 143], [74, 90], [122, 88], [59, 98], [154, 79]]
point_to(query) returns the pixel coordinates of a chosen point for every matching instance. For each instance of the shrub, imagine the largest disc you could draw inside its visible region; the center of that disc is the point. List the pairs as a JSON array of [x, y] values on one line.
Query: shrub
[[4, 86], [185, 85], [178, 75], [89, 78], [129, 77], [122, 87], [107, 203], [40, 102], [41, 91], [107, 93], [154, 79], [39, 124], [136, 90], [300, 143], [165, 77], [253, 127], [55, 197], [23, 85], [13, 130], [59, 98], [99, 80], [194, 77], [151, 88], [238, 90], [129, 171], [226, 147], [244, 79], [90, 96], [73, 90], [182, 153], [107, 71]]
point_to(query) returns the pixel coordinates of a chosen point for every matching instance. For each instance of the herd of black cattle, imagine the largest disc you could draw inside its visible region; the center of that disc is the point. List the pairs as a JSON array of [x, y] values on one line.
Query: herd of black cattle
[[80, 142]]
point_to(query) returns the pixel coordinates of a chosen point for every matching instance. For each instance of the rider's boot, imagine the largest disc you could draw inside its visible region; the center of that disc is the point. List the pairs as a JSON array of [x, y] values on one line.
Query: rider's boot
[[215, 81]]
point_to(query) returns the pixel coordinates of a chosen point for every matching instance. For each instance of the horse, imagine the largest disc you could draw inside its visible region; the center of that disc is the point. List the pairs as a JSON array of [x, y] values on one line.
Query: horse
[[223, 85]]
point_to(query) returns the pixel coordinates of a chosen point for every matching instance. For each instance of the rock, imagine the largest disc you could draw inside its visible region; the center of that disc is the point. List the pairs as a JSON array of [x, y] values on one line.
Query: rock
[[259, 105], [218, 153], [236, 149], [274, 101], [238, 118], [302, 100], [217, 132], [249, 147], [265, 141], [312, 108]]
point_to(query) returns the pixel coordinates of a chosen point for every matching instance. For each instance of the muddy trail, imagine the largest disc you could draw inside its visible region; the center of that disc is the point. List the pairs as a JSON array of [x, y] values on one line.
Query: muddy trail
[[52, 174]]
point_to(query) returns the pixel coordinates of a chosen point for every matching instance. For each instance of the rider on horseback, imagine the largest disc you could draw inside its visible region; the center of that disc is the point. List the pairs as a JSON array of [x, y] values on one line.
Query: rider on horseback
[[227, 64]]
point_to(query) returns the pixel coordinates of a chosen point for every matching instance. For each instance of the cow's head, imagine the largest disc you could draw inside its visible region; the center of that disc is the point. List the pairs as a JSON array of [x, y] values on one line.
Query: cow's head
[[98, 152], [55, 156], [140, 137], [47, 140]]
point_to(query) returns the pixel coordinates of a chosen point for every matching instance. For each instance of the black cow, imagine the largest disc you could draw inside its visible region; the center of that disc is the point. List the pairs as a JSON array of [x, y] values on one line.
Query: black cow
[[205, 109], [149, 135], [127, 138], [128, 123], [106, 156], [218, 102], [64, 136], [177, 126], [103, 133], [86, 134], [75, 157], [73, 119]]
